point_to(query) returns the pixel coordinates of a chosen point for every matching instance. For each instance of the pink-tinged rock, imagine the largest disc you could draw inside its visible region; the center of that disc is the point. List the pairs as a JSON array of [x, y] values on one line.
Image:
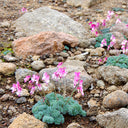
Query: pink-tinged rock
[[43, 43], [121, 27]]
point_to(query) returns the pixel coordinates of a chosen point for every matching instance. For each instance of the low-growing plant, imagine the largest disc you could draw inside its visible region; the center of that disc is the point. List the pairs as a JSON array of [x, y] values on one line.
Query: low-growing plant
[[52, 109], [120, 61], [53, 106]]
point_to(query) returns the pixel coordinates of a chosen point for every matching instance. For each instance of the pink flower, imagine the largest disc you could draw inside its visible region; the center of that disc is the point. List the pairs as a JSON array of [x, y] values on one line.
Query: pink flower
[[35, 78], [104, 22], [118, 21], [113, 38], [127, 25], [39, 87], [23, 10], [124, 46], [80, 88], [60, 73], [27, 78], [32, 90], [16, 88], [103, 43], [97, 25], [60, 64], [96, 33], [105, 59], [55, 76], [110, 13], [90, 23], [108, 47], [100, 60], [76, 78], [46, 78]]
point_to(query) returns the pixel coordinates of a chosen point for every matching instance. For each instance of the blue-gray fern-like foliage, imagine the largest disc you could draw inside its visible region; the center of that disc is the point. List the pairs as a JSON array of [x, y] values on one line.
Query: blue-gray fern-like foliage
[[120, 61], [54, 107]]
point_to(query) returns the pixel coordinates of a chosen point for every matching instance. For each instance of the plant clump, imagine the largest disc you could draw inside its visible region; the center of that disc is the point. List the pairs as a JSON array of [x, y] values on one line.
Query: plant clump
[[54, 106], [120, 61], [106, 36]]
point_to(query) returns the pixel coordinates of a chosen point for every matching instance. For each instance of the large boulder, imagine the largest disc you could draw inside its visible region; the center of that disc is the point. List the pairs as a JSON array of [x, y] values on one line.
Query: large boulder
[[116, 119], [72, 66], [116, 99], [43, 43], [113, 74], [27, 121], [46, 19]]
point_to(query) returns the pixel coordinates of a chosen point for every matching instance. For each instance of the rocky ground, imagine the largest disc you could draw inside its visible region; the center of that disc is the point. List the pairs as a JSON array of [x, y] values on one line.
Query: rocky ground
[[105, 87]]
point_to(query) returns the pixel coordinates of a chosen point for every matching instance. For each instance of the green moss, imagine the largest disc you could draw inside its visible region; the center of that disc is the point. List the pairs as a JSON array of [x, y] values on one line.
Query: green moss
[[54, 107], [120, 61]]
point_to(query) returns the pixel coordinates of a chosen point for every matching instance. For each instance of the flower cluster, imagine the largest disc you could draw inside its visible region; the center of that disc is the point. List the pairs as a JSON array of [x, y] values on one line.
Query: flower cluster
[[33, 82], [112, 43], [78, 83], [103, 43], [16, 88], [94, 27], [23, 10], [60, 73]]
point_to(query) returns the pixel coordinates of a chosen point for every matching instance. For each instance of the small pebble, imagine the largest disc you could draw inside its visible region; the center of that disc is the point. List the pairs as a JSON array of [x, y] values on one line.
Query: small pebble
[[21, 100]]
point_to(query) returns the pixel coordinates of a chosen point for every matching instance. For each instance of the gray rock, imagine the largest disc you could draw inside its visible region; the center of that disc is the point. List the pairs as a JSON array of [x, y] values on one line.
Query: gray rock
[[24, 93], [21, 100], [49, 60], [46, 19], [92, 41], [21, 73], [37, 98], [80, 57], [2, 91], [113, 74], [92, 103], [12, 108], [63, 54], [72, 66], [10, 58], [37, 65], [112, 88], [116, 119], [74, 125], [92, 111], [5, 97], [116, 99], [100, 84]]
